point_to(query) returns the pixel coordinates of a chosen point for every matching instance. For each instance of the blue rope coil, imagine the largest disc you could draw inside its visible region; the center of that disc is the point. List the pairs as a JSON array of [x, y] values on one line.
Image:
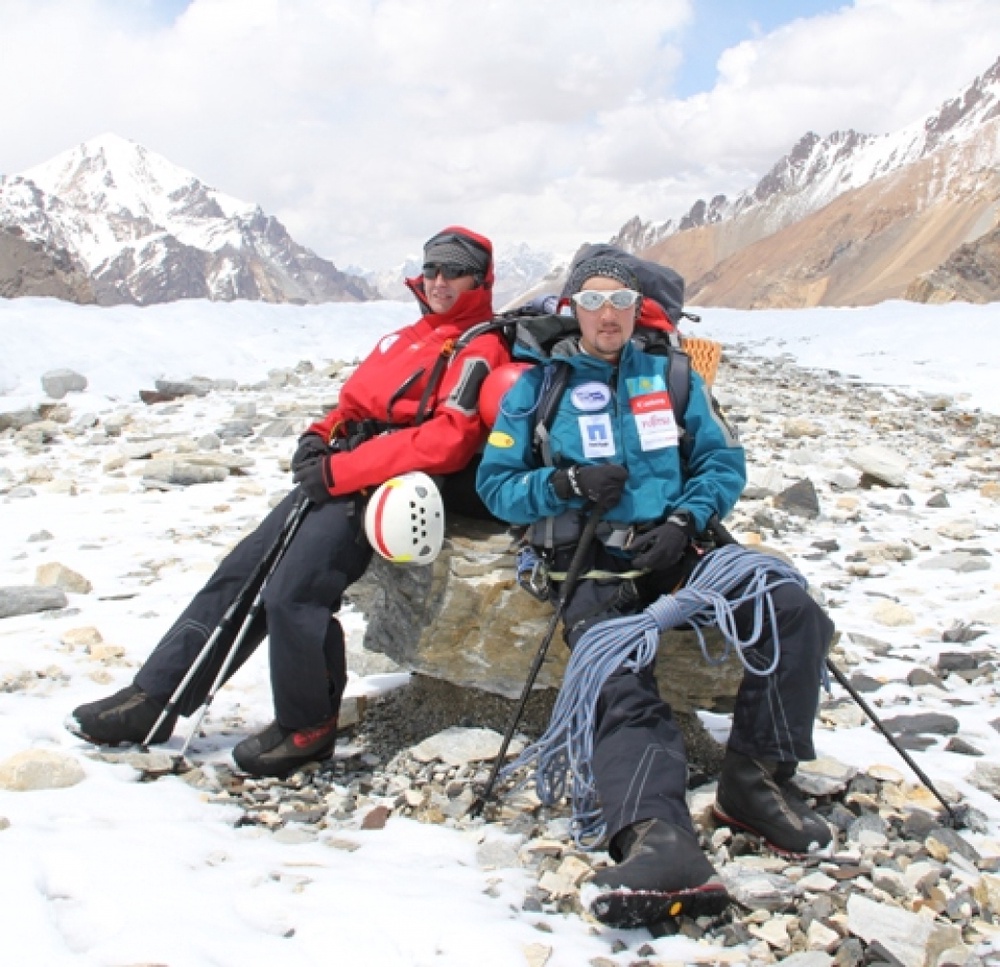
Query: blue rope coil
[[562, 756]]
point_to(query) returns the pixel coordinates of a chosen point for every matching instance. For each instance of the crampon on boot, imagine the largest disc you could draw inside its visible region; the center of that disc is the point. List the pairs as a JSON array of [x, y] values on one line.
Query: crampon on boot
[[663, 874]]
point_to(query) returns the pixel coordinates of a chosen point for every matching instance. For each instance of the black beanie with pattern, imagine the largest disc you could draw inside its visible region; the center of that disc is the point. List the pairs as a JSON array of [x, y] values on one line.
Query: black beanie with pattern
[[606, 266]]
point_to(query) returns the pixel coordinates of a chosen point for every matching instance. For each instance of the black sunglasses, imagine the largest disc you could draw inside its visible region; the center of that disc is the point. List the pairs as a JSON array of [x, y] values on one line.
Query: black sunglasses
[[450, 272]]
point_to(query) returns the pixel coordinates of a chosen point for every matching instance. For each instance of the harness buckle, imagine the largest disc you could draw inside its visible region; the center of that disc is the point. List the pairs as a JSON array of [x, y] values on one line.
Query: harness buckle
[[533, 573]]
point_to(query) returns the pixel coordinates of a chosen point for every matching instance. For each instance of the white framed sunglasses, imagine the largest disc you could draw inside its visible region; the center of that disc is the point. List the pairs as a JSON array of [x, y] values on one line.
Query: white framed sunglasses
[[592, 299]]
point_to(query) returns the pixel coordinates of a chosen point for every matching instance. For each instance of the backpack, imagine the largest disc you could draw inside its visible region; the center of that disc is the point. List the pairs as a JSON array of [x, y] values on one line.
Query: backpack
[[539, 326]]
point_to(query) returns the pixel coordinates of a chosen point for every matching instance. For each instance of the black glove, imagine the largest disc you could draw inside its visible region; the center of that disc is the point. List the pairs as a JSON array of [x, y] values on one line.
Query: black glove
[[316, 479], [311, 448], [663, 546], [601, 483]]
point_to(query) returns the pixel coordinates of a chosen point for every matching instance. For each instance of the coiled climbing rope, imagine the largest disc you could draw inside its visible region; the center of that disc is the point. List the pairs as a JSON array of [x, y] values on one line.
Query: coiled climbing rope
[[562, 756]]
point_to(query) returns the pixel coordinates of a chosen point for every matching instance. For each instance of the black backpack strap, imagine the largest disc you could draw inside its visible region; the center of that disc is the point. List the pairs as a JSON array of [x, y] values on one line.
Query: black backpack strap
[[450, 349], [679, 383], [553, 386]]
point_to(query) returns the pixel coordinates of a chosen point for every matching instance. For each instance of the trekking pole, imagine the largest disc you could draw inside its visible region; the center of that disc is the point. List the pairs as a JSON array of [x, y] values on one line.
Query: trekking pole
[[295, 519], [722, 536], [907, 758], [569, 585], [265, 567]]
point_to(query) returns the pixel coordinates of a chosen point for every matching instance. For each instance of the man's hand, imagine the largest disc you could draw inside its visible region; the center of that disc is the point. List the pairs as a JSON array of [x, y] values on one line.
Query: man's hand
[[316, 479], [663, 546], [601, 483], [311, 448]]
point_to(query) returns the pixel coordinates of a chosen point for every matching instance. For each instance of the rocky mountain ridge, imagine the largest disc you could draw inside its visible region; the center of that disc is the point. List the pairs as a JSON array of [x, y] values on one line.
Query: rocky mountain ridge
[[897, 205], [143, 231]]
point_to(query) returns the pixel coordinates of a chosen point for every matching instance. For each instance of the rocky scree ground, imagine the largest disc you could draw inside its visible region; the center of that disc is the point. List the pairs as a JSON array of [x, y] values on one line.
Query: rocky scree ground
[[887, 500]]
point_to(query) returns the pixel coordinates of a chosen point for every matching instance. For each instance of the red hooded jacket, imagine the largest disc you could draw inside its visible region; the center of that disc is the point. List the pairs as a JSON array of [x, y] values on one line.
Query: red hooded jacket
[[390, 383]]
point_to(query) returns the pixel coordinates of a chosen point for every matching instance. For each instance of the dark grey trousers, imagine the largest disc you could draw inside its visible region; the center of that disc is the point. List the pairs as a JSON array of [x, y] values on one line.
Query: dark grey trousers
[[639, 763], [298, 615]]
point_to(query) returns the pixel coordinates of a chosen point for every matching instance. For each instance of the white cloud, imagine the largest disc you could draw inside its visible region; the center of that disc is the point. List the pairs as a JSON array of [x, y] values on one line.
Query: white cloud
[[365, 125]]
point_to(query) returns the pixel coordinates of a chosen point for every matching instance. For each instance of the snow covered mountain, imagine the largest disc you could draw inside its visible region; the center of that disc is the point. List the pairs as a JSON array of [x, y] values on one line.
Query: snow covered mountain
[[145, 231], [850, 219]]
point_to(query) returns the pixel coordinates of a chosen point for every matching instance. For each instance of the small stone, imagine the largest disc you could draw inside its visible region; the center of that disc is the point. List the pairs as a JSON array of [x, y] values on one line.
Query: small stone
[[817, 883], [346, 845], [799, 500], [294, 835], [39, 769], [59, 576], [85, 637], [942, 842], [460, 746], [892, 615], [30, 599], [986, 776], [808, 958], [960, 747], [376, 818], [936, 723], [58, 382], [880, 464], [537, 955], [774, 933], [820, 937], [915, 941]]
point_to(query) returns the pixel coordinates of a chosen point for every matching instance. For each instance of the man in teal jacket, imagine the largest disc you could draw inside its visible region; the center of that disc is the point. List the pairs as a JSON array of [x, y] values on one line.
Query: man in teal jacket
[[615, 445]]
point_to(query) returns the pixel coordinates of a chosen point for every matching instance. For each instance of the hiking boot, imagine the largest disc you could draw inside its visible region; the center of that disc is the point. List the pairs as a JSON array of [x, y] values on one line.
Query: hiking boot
[[124, 718], [278, 752], [757, 795], [663, 874]]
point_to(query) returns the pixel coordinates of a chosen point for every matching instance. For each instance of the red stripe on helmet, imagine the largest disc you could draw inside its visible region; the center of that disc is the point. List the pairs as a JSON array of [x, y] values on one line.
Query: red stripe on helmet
[[383, 548]]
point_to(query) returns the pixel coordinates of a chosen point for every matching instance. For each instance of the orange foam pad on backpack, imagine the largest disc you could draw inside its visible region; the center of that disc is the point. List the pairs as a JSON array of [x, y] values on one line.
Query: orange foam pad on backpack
[[705, 356]]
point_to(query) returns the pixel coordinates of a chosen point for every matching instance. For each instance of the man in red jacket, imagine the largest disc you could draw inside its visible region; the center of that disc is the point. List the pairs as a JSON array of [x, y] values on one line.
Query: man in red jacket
[[412, 404]]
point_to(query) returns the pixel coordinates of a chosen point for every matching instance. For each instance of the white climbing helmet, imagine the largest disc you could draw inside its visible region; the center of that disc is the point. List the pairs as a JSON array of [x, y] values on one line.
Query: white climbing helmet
[[404, 519]]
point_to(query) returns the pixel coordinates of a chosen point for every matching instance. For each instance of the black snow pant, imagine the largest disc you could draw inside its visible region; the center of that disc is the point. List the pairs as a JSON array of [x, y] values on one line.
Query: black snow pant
[[639, 760], [307, 655]]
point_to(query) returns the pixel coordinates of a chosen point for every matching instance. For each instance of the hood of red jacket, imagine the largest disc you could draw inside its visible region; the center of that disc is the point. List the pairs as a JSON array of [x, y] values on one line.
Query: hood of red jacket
[[470, 307]]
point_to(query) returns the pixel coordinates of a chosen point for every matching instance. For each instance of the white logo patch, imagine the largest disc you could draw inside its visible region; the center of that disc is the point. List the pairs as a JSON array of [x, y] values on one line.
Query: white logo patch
[[596, 436], [591, 397]]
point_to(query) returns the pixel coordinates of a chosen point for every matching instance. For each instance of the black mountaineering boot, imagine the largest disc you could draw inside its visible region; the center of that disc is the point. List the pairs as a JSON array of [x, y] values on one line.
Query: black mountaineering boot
[[663, 874], [278, 751], [121, 719], [758, 796]]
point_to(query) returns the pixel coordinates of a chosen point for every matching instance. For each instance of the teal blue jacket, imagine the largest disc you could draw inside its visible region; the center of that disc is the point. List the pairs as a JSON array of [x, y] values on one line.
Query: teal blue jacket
[[620, 415]]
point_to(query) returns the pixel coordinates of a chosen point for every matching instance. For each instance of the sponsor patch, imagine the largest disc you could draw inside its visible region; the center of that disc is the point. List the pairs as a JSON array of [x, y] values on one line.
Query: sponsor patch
[[502, 440], [650, 402], [654, 419], [591, 397], [596, 436]]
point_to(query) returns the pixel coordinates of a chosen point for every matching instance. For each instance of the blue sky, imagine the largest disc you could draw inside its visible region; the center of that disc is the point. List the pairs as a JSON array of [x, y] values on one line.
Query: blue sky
[[366, 125], [719, 24]]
